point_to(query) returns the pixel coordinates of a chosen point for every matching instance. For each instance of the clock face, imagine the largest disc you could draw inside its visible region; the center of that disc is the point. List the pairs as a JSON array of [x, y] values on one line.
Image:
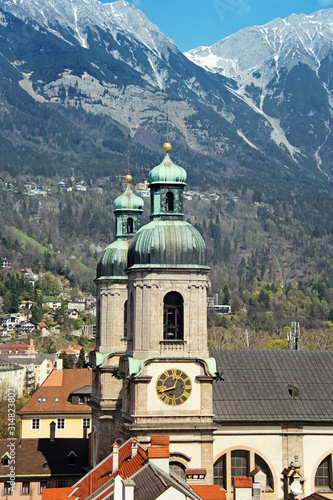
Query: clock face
[[173, 387]]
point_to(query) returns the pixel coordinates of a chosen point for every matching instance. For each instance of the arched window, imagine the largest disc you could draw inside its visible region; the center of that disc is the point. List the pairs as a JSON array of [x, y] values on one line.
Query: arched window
[[129, 225], [323, 479], [125, 320], [178, 469], [220, 472], [261, 464], [239, 463], [173, 328], [169, 202]]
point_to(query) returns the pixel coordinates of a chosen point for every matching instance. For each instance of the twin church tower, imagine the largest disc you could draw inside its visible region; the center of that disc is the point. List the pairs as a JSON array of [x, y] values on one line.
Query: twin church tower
[[151, 369]]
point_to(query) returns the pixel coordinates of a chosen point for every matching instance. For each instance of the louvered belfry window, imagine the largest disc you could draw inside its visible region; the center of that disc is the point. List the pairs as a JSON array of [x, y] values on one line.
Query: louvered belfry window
[[173, 317]]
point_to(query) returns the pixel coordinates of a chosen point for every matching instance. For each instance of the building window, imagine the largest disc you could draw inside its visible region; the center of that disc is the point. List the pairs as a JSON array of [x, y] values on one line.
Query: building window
[[239, 463], [25, 488], [72, 456], [60, 424], [7, 489], [178, 469], [219, 472], [173, 328], [323, 479], [130, 225], [86, 422], [261, 464], [5, 459], [35, 424], [169, 205], [62, 483], [43, 485]]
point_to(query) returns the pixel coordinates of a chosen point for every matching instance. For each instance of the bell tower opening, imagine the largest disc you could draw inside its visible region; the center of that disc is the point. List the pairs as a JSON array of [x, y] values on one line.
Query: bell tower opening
[[129, 225], [169, 202], [173, 316]]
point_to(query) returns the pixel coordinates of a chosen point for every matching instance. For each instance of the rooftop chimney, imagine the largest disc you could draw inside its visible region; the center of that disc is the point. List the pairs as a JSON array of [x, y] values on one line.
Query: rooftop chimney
[[52, 432], [59, 365], [159, 456], [115, 456], [128, 489], [134, 448]]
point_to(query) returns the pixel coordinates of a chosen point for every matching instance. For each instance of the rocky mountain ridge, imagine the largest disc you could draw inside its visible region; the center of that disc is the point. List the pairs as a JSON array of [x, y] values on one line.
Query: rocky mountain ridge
[[81, 58]]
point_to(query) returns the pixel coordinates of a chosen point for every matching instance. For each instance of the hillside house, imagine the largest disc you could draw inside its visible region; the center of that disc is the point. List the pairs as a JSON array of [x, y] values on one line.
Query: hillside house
[[52, 402]]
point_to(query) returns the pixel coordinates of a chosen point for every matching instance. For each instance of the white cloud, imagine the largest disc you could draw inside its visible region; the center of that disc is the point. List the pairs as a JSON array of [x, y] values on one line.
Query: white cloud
[[325, 3]]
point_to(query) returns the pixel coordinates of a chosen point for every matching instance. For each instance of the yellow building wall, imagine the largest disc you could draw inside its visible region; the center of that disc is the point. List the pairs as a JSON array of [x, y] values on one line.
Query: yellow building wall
[[73, 426]]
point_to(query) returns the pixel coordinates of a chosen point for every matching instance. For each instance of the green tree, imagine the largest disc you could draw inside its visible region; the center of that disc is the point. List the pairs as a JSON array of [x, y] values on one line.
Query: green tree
[[226, 295], [67, 360], [81, 360]]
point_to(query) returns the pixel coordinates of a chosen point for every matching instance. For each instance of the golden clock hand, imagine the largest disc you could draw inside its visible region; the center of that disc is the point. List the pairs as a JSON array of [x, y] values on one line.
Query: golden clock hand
[[164, 389]]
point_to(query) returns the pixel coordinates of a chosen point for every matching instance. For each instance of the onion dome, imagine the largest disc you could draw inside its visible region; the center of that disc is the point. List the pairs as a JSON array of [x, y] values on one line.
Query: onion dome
[[128, 208], [167, 243], [113, 260], [167, 172], [128, 200]]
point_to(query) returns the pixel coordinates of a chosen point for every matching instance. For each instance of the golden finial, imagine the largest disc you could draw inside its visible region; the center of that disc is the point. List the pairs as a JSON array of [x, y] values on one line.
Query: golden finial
[[167, 147], [128, 178]]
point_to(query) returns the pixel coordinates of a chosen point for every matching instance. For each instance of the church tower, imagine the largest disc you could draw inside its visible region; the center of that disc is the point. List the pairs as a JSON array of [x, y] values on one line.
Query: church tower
[[111, 324], [111, 279], [158, 378], [169, 373]]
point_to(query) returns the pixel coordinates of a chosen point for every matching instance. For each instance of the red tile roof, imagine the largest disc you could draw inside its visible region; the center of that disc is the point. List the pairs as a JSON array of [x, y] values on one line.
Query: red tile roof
[[56, 493], [58, 385], [102, 473], [14, 348], [243, 482], [159, 440], [209, 492], [158, 451], [196, 471]]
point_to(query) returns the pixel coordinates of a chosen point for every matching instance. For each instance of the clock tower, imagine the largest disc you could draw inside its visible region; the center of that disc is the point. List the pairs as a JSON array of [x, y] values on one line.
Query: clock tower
[[166, 372]]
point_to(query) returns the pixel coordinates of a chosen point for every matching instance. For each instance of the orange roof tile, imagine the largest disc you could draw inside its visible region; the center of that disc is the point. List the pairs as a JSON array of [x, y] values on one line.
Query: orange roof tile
[[56, 493], [55, 391], [243, 482], [54, 379], [158, 451], [159, 440], [209, 492]]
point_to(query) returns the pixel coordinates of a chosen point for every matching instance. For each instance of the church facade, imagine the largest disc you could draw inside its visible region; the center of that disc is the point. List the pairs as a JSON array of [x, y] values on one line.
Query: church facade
[[227, 413]]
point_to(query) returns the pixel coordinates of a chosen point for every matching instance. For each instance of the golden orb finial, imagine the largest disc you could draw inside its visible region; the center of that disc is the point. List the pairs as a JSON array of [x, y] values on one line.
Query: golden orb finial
[[167, 147], [128, 178]]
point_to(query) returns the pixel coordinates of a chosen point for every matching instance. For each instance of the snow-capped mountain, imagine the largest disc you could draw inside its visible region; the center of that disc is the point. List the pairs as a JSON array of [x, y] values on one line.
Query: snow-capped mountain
[[277, 65], [255, 55], [262, 96], [78, 17]]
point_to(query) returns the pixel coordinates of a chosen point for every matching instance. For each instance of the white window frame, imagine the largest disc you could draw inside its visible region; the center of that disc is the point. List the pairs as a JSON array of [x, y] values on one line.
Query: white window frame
[[7, 492], [41, 488], [62, 427], [35, 424], [27, 486], [83, 421]]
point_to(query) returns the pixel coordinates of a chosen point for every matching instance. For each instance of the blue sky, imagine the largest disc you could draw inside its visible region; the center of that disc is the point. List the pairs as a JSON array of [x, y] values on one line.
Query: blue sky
[[191, 23]]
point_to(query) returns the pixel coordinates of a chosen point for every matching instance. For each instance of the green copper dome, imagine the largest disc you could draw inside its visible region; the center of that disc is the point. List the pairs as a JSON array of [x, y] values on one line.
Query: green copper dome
[[128, 201], [113, 260], [167, 172], [167, 243], [128, 209]]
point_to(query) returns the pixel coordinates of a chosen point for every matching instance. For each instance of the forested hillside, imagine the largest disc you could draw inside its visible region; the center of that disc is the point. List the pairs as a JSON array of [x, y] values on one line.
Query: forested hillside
[[270, 251]]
